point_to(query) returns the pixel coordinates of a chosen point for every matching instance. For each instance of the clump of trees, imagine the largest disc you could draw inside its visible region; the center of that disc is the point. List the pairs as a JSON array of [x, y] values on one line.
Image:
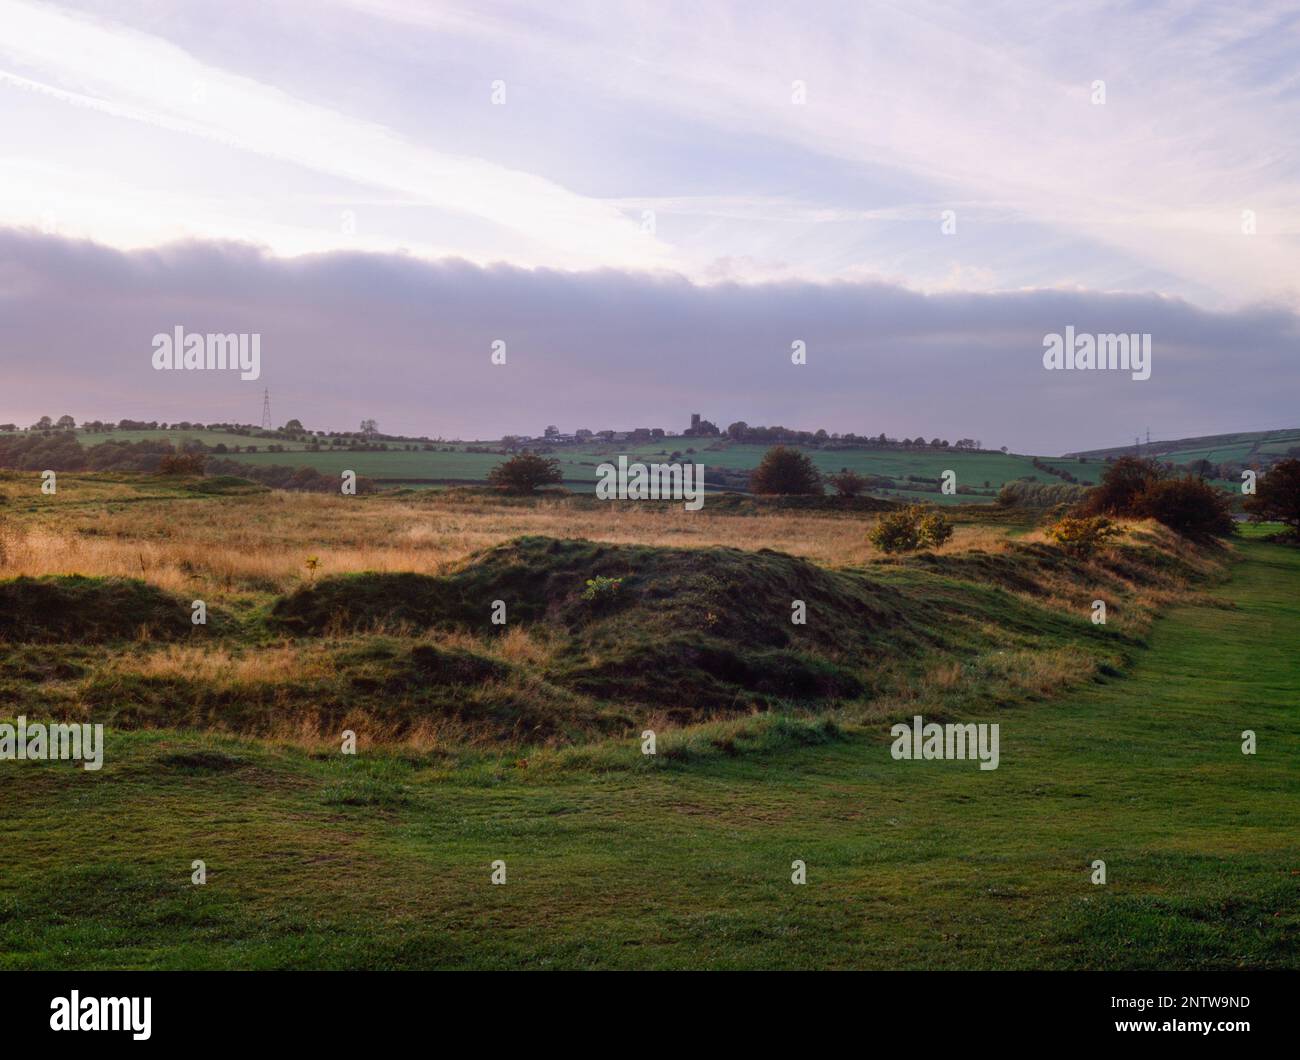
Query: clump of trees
[[910, 529], [36, 452], [285, 477], [1277, 497], [740, 431], [126, 456], [1026, 493], [63, 452], [786, 471], [1059, 472], [524, 473], [1145, 489]]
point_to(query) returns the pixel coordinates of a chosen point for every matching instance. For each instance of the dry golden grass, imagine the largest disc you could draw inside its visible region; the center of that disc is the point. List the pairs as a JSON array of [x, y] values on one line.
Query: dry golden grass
[[1130, 607], [1002, 674], [223, 668], [262, 543]]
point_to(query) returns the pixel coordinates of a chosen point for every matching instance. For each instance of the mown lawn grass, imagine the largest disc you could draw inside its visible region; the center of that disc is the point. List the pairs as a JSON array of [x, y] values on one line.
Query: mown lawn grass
[[383, 861]]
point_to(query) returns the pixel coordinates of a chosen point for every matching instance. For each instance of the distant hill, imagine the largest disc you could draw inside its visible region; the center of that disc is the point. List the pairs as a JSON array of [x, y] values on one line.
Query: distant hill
[[1216, 448], [894, 472]]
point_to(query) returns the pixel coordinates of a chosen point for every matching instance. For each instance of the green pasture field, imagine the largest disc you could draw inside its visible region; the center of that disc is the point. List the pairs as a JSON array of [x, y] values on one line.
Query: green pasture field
[[578, 464]]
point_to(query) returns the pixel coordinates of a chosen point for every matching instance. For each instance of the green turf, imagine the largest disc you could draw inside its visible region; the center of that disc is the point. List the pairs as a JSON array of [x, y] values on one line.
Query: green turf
[[684, 860]]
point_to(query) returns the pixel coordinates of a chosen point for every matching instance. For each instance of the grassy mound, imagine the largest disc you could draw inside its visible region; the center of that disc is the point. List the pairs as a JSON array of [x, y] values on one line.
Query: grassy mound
[[1151, 556], [363, 601], [727, 592], [382, 687], [689, 632], [74, 608], [226, 486], [677, 634]]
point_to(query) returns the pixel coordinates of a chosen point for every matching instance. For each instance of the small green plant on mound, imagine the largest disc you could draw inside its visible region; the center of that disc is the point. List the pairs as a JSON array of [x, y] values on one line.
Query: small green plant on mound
[[602, 590], [1083, 536], [909, 529]]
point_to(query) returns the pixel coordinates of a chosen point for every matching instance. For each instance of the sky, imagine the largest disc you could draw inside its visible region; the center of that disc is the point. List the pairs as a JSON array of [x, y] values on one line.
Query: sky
[[649, 204]]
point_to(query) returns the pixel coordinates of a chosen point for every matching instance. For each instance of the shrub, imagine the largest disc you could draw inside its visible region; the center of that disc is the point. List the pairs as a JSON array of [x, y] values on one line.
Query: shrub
[[1127, 479], [847, 483], [1189, 505], [601, 589], [525, 472], [896, 532], [909, 529], [786, 471], [1083, 535], [181, 464], [1277, 497], [934, 529]]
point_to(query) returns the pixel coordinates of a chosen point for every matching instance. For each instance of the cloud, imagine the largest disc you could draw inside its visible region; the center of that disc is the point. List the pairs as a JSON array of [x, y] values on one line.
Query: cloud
[[988, 103], [407, 341], [126, 75], [135, 127]]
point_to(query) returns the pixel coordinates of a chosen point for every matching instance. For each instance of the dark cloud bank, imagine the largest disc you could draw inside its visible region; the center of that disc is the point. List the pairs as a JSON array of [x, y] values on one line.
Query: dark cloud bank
[[408, 342]]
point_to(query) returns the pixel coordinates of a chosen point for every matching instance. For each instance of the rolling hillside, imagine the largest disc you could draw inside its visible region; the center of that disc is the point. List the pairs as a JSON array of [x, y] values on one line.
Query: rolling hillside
[[1216, 448]]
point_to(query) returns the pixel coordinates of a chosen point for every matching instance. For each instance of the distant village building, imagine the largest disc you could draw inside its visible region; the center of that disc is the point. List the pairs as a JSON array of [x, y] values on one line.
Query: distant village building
[[700, 427], [582, 434]]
